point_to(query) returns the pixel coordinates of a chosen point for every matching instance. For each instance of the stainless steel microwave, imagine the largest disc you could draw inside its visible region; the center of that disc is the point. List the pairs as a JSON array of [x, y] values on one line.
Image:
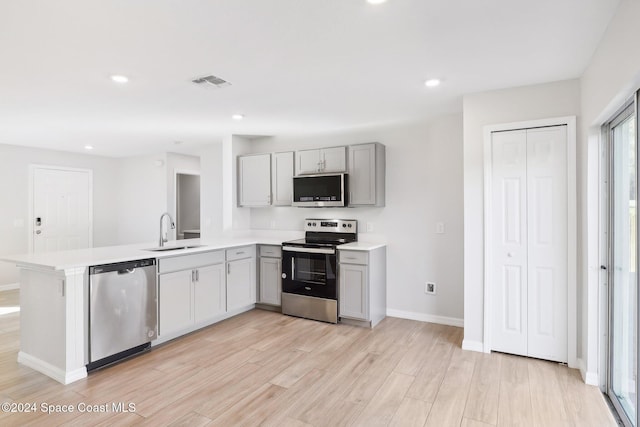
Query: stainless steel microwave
[[326, 190]]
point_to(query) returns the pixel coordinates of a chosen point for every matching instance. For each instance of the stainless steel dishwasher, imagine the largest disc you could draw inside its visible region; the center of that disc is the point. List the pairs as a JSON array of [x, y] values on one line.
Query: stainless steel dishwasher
[[123, 310]]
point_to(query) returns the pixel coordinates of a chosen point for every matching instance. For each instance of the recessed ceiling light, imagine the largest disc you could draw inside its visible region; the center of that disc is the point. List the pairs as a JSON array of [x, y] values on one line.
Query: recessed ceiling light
[[88, 147], [237, 116], [119, 78], [432, 82], [376, 1]]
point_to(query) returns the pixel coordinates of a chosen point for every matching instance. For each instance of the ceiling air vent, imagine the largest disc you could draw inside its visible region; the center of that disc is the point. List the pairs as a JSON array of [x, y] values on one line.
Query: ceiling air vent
[[211, 81]]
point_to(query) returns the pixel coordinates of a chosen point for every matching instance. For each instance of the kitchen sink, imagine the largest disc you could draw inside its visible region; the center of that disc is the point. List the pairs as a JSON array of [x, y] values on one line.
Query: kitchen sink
[[172, 248]]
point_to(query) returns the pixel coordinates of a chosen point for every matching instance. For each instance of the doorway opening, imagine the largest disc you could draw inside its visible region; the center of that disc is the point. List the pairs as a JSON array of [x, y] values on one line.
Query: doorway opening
[[187, 205]]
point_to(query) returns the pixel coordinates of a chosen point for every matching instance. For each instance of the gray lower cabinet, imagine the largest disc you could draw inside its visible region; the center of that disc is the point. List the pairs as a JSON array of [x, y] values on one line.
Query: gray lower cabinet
[[363, 290], [270, 286], [209, 293], [174, 298], [241, 277], [354, 291], [191, 295]]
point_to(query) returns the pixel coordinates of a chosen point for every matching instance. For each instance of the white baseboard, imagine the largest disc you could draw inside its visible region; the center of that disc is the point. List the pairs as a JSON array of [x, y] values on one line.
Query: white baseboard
[[64, 377], [422, 317], [473, 345], [9, 287], [590, 378]]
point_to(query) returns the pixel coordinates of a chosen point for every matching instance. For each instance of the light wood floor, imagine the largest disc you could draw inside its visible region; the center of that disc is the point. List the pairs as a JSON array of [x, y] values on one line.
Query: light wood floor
[[263, 368]]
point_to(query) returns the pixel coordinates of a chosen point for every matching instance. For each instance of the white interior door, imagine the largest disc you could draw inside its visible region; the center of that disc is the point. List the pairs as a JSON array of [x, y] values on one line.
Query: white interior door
[[547, 231], [529, 242], [61, 209], [509, 191]]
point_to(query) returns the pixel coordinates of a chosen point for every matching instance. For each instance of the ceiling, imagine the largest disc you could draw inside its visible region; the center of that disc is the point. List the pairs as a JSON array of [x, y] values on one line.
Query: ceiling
[[295, 66]]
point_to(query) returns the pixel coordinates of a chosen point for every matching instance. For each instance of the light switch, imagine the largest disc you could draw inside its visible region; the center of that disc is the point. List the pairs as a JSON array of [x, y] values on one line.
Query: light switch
[[439, 227]]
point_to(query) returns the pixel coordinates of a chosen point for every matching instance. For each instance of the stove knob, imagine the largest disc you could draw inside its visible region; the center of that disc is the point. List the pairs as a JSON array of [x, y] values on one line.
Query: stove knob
[[349, 225], [309, 224], [344, 225], [284, 275], [314, 224]]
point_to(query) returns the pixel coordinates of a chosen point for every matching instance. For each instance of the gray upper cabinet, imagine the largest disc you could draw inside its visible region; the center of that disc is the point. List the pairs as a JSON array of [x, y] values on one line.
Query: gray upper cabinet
[[367, 174], [282, 178], [323, 160], [254, 180]]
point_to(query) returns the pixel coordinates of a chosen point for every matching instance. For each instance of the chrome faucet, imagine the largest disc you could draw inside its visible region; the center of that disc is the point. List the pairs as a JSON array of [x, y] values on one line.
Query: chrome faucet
[[171, 223]]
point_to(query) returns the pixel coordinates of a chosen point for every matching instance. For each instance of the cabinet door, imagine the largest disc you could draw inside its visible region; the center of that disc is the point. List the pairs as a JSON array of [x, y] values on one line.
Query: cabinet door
[[354, 291], [334, 159], [254, 180], [209, 292], [362, 174], [175, 302], [241, 283], [282, 178], [307, 162], [270, 281]]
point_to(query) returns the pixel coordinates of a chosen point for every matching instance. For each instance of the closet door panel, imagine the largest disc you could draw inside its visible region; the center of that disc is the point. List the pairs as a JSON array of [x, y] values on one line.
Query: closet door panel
[[547, 243], [509, 242]]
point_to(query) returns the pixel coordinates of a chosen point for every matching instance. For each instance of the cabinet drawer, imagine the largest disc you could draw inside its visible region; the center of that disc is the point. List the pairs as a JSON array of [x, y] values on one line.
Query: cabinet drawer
[[241, 252], [271, 251], [185, 262], [353, 257]]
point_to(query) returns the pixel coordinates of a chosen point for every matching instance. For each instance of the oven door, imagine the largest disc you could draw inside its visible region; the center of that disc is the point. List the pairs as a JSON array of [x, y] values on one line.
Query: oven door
[[309, 271]]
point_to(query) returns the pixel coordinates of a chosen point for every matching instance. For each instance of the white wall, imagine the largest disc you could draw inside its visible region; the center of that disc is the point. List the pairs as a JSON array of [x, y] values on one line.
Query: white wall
[[14, 192], [423, 186], [211, 190], [611, 78], [556, 99], [142, 198]]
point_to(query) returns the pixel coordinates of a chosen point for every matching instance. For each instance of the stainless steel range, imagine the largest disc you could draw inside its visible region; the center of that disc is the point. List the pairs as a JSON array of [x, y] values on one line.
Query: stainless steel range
[[309, 269]]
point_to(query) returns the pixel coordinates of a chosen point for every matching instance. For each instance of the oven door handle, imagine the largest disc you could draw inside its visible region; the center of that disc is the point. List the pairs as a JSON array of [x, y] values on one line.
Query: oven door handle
[[308, 250]]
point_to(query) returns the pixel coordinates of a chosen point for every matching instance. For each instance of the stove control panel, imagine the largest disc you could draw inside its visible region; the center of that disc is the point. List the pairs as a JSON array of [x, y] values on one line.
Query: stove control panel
[[331, 225]]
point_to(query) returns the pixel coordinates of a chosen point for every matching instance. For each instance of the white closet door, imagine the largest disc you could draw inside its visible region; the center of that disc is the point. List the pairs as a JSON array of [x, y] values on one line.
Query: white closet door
[[547, 231], [509, 248], [529, 242]]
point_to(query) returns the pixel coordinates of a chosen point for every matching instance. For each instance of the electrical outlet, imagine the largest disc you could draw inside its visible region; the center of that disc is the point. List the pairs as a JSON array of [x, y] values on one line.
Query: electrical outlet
[[439, 227], [430, 288], [369, 227]]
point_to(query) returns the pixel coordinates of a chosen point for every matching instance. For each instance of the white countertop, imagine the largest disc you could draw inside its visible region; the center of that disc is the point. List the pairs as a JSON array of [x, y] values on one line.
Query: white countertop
[[79, 258], [362, 246]]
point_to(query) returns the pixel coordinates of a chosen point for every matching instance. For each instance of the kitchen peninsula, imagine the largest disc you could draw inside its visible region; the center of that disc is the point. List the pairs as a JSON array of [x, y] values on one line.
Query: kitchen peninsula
[[54, 293]]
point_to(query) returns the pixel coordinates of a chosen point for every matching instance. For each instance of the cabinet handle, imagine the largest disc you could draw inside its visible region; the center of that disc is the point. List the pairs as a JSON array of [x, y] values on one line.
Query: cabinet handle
[[64, 286], [240, 253], [228, 268], [193, 275], [197, 275]]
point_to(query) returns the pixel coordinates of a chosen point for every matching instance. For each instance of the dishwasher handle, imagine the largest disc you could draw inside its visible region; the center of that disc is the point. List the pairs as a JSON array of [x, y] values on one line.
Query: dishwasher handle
[[121, 267]]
